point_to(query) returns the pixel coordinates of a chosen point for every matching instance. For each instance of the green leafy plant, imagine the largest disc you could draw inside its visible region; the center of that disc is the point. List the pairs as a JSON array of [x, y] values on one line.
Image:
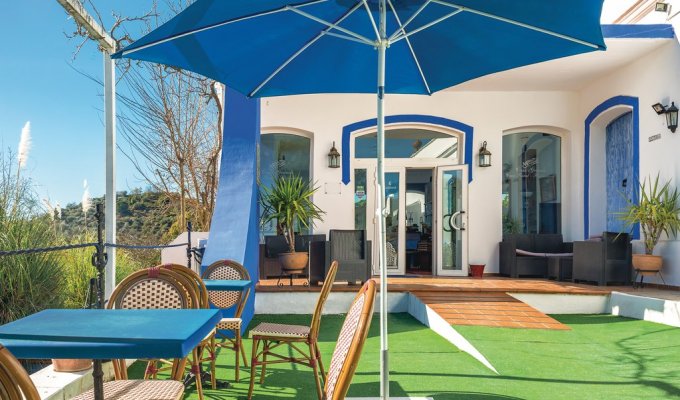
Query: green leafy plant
[[289, 204], [657, 212]]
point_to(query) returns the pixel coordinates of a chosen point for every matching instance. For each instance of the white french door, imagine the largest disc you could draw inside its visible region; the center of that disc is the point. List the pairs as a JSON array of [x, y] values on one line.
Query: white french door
[[395, 220], [451, 221]]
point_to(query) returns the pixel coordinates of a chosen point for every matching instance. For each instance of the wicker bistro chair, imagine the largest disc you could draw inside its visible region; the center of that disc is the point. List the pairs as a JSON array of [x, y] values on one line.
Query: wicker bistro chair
[[157, 288], [204, 302], [228, 270], [350, 343], [271, 336], [16, 384]]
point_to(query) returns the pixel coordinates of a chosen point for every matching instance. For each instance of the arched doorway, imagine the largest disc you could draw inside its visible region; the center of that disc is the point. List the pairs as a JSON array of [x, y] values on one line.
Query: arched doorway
[[611, 164], [425, 182]]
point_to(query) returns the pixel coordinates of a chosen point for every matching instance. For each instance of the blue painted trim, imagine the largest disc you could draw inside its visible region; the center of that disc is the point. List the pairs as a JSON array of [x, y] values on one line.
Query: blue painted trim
[[234, 228], [658, 31], [347, 130], [634, 103]]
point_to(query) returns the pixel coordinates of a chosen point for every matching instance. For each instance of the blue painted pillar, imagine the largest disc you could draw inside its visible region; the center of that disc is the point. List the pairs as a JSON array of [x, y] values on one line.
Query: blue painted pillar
[[234, 227]]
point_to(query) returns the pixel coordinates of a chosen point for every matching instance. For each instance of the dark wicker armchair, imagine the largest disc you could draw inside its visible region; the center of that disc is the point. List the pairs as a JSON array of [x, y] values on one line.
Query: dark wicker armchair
[[604, 261], [352, 252]]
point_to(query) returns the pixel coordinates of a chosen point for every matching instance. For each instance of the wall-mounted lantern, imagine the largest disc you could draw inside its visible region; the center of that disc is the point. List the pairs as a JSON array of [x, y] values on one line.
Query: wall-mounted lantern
[[671, 113], [484, 156], [662, 6], [333, 157]]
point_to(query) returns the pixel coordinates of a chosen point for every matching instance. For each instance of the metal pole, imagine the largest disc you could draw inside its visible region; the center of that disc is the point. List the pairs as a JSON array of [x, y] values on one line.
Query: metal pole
[[110, 199], [384, 364], [99, 261], [189, 252]]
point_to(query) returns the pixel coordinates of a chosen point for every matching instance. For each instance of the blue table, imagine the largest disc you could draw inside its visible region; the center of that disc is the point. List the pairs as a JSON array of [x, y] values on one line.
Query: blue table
[[104, 334], [218, 284]]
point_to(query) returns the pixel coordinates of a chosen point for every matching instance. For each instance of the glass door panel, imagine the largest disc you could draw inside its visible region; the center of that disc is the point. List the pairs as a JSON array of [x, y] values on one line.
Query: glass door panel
[[452, 221], [393, 225], [395, 228]]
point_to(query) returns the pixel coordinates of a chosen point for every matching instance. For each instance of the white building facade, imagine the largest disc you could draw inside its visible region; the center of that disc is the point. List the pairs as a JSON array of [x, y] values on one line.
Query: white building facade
[[569, 140]]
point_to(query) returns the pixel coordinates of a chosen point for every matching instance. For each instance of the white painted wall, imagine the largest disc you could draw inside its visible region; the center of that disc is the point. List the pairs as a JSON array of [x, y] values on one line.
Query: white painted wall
[[490, 113], [178, 255], [652, 78]]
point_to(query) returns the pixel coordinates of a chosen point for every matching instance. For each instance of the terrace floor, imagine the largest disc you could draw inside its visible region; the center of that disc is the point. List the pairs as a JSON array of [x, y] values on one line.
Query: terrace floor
[[482, 302]]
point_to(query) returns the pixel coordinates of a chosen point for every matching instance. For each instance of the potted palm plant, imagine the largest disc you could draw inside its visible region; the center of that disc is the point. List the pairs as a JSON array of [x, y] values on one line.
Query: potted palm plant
[[288, 203], [657, 212]]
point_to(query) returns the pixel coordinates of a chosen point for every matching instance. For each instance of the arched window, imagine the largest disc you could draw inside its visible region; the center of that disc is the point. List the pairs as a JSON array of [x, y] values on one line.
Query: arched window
[[531, 183], [409, 143], [283, 154]]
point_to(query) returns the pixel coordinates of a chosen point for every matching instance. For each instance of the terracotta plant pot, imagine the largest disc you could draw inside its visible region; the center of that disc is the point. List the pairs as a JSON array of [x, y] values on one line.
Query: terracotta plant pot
[[477, 270], [71, 364], [294, 263], [647, 262]]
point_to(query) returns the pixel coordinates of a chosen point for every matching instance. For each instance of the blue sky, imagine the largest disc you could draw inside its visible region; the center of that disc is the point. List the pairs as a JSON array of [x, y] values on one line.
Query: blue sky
[[38, 83]]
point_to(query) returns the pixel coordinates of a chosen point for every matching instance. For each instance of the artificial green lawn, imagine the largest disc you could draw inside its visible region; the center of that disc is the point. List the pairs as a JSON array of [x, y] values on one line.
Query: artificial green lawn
[[602, 357]]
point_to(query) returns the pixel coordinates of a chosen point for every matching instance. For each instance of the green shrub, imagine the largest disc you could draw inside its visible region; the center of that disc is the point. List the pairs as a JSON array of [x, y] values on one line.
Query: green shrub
[[30, 282]]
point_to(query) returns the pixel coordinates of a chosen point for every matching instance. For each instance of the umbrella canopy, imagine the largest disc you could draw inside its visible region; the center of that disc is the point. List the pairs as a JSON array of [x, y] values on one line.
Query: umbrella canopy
[[277, 47], [265, 48]]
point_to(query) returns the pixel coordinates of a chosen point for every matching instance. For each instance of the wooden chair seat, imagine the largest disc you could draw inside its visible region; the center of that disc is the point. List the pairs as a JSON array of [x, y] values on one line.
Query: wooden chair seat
[[271, 330], [138, 390], [229, 323]]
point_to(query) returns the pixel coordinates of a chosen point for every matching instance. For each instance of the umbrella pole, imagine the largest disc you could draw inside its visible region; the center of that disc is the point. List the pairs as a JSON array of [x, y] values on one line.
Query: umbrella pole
[[384, 365]]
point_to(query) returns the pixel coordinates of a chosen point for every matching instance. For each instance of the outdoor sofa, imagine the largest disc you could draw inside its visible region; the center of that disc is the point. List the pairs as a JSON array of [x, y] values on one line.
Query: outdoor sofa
[[523, 254]]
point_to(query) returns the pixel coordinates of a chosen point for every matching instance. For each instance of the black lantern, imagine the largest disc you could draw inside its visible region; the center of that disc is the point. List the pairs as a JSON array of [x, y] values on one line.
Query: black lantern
[[672, 117], [333, 157], [671, 113], [484, 156]]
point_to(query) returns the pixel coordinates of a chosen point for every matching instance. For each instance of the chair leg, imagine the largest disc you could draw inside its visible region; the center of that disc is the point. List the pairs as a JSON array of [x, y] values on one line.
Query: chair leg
[[265, 350], [243, 353], [196, 369], [237, 351], [178, 369], [253, 363], [318, 358], [213, 361], [312, 359]]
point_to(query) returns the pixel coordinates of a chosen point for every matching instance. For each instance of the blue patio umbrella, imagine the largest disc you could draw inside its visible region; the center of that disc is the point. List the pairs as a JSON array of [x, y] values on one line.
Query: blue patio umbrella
[[265, 48]]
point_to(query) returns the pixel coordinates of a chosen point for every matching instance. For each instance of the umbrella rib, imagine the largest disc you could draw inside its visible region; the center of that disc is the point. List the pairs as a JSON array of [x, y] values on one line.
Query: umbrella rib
[[306, 46], [520, 24], [409, 20], [370, 16], [408, 42], [429, 24], [215, 25], [333, 25]]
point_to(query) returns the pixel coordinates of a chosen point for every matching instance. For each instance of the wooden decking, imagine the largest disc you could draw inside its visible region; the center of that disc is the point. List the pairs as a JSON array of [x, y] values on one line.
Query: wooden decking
[[495, 309], [468, 301], [435, 284]]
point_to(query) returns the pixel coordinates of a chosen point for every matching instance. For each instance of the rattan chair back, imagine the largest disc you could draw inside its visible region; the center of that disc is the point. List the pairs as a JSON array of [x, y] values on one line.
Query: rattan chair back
[[321, 301], [154, 288], [350, 343], [228, 270], [15, 383], [194, 279]]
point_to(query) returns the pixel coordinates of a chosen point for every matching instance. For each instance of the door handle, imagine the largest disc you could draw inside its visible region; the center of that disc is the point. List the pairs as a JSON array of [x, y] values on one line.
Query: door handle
[[452, 221]]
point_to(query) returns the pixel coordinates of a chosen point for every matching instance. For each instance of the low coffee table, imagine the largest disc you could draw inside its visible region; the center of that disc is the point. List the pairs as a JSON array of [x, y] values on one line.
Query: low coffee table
[[560, 267]]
